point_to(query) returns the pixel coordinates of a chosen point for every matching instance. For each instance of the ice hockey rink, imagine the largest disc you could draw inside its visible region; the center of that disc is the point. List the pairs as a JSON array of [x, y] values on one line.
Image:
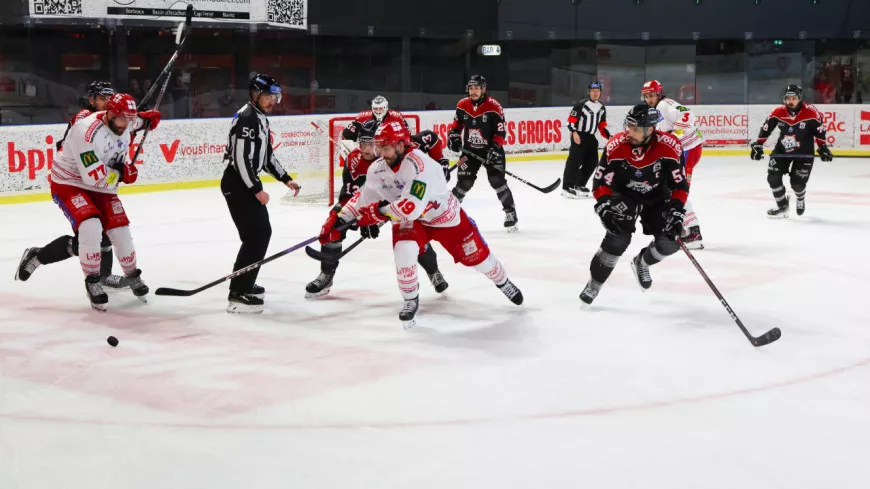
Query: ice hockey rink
[[643, 390]]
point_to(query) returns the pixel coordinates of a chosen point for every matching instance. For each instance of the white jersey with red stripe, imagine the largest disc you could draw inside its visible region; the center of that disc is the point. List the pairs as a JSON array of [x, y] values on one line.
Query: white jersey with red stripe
[[415, 190], [89, 151], [680, 121]]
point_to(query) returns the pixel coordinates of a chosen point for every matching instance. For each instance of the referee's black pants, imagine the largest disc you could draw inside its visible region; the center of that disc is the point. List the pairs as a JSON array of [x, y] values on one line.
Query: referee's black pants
[[252, 221], [581, 162]]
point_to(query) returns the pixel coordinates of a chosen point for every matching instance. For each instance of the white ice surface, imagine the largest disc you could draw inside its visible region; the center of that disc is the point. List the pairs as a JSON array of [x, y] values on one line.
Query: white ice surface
[[644, 390]]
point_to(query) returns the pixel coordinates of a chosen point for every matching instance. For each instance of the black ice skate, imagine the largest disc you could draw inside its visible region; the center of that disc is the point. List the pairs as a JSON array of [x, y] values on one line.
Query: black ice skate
[[800, 206], [510, 220], [641, 271], [28, 264], [583, 192], [134, 280], [590, 292], [692, 239], [408, 313], [319, 286], [438, 281], [570, 193], [511, 292], [96, 294], [780, 212], [241, 303], [258, 292], [114, 282]]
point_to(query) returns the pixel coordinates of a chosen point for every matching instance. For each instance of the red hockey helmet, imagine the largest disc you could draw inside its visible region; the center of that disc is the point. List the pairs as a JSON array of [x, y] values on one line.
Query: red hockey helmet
[[653, 86], [122, 105], [391, 133]]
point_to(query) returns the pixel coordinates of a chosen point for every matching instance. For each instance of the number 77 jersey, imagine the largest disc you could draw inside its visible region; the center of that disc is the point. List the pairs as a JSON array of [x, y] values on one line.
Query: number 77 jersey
[[416, 190], [645, 174]]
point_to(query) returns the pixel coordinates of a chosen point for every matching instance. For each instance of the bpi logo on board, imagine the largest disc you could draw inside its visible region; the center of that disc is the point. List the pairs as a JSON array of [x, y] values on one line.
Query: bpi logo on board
[[865, 128]]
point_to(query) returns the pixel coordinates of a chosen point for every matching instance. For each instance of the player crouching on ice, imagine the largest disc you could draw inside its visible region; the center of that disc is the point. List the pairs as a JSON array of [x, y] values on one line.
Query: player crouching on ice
[[641, 174], [408, 188], [84, 184]]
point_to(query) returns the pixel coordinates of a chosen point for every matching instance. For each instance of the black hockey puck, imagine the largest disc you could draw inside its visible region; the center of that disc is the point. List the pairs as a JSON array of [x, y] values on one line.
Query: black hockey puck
[[112, 341]]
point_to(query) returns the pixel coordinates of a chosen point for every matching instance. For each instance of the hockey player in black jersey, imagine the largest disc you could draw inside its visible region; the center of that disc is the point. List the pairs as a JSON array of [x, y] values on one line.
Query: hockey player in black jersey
[[641, 174], [479, 127], [353, 178], [800, 126]]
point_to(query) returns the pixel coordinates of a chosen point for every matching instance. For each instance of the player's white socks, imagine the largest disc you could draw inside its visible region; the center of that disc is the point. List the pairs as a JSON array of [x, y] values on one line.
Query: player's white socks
[[691, 218], [90, 235], [493, 269], [122, 241], [405, 255]]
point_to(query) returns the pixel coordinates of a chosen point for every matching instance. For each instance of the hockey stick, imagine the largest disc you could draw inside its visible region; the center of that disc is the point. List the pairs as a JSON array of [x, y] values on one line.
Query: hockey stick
[[244, 270], [334, 141], [545, 190], [767, 338], [180, 40], [330, 257], [810, 157]]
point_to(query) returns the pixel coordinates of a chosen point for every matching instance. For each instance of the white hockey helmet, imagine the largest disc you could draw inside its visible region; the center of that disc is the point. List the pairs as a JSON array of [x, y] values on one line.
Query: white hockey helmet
[[380, 107]]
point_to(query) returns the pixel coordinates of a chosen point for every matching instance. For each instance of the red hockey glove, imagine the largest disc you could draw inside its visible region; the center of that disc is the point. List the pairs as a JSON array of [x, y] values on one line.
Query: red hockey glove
[[328, 233], [129, 174], [152, 117], [371, 215]]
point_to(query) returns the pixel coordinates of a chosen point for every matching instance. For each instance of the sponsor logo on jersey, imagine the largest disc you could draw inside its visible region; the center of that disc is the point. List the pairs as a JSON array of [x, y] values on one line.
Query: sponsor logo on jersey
[[637, 154], [790, 143], [475, 138], [117, 208], [113, 177], [89, 158], [78, 201], [642, 187], [418, 189], [469, 247], [92, 130]]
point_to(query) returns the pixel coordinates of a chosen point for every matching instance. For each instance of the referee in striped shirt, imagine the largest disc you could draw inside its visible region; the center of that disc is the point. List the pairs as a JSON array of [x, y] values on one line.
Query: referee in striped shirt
[[586, 118], [249, 151]]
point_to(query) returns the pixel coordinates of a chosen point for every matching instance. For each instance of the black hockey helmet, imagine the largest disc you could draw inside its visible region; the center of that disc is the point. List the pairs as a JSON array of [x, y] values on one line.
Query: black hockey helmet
[[262, 83], [793, 90], [100, 87], [642, 115], [367, 132], [476, 81], [596, 84]]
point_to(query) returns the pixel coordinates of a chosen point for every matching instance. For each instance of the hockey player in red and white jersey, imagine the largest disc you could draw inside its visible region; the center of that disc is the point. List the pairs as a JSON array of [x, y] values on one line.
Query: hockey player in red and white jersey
[[679, 120], [380, 114], [64, 247], [84, 184], [354, 177], [408, 188]]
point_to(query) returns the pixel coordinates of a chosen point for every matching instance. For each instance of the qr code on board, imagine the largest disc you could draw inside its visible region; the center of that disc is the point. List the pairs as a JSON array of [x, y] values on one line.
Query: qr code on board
[[290, 12], [57, 7]]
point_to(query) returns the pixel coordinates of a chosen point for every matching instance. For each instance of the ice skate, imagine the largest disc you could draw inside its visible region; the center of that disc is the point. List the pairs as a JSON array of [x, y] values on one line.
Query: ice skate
[[512, 292], [641, 271], [408, 313], [570, 193], [780, 212], [319, 286], [800, 206], [140, 290], [590, 292], [438, 281], [240, 303], [583, 192], [510, 220], [28, 264], [258, 292], [96, 294]]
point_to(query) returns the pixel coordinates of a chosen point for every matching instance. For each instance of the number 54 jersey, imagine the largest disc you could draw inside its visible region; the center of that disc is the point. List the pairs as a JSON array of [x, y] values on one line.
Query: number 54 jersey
[[415, 190]]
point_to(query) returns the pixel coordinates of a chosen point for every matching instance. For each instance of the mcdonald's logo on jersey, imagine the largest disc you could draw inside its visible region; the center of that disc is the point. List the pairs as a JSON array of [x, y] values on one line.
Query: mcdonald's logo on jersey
[[89, 158]]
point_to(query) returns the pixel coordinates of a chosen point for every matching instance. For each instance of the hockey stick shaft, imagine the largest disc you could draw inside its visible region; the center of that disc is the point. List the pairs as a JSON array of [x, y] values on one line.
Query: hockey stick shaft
[[545, 190], [243, 270], [334, 141], [321, 256], [764, 339]]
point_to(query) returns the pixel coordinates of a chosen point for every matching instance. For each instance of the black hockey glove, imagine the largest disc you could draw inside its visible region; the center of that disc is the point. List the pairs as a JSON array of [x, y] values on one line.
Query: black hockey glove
[[825, 153], [674, 219], [454, 141], [445, 165], [612, 220], [370, 232], [495, 156], [757, 151]]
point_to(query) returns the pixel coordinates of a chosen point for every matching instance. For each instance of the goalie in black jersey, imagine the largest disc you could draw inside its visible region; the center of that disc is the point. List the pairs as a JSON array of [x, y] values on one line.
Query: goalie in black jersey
[[800, 126]]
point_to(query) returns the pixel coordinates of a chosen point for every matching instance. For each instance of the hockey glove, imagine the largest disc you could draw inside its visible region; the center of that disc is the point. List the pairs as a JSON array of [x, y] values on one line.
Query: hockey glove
[[445, 165], [757, 151], [825, 153], [454, 141], [614, 222], [371, 214], [370, 232], [674, 219], [495, 156], [129, 173], [328, 233], [152, 118]]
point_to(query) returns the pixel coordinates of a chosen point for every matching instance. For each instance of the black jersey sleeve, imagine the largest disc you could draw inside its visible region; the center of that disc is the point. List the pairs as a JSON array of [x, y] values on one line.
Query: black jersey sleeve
[[246, 150]]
